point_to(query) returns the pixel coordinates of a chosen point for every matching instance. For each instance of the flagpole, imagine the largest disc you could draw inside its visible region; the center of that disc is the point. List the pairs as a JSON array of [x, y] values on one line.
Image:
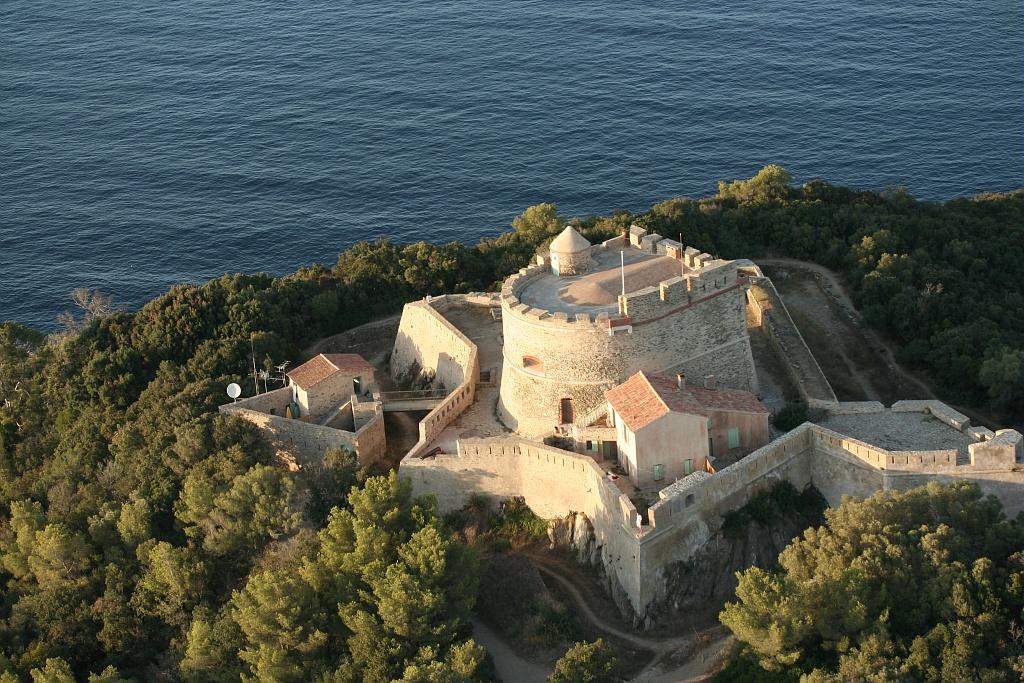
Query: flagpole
[[622, 269]]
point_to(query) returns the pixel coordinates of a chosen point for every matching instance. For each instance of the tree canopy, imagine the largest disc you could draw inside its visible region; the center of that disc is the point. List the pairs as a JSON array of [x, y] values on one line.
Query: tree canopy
[[926, 585]]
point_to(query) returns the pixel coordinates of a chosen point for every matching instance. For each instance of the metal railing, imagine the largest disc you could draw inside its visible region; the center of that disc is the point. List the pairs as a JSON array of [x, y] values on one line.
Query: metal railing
[[413, 395]]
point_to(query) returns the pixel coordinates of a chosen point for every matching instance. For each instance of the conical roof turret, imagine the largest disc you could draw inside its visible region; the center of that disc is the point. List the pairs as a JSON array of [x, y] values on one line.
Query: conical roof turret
[[569, 242]]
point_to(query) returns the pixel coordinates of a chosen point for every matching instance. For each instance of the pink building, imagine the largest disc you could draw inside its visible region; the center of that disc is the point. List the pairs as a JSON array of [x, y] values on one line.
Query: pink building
[[666, 429]]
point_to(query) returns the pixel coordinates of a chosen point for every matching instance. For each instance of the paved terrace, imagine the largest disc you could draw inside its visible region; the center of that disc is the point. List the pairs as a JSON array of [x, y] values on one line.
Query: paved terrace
[[597, 291], [896, 431], [480, 419]]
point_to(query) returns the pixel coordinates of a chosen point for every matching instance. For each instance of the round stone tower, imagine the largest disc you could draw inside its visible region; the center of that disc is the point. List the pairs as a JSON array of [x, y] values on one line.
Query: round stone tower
[[568, 341], [570, 253]]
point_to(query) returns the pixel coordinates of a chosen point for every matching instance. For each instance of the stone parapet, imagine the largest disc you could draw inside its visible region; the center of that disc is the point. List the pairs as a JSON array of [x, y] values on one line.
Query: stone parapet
[[937, 409], [855, 407]]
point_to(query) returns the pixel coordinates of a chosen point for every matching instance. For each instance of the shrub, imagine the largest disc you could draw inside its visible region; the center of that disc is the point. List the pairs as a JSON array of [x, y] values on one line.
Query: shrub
[[792, 415]]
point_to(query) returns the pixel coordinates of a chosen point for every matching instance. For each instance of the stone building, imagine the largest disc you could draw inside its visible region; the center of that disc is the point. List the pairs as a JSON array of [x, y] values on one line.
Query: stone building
[[324, 382], [569, 253], [568, 340], [667, 430]]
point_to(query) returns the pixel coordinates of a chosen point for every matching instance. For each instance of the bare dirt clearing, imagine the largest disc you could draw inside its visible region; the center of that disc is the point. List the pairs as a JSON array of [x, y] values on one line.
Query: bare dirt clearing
[[858, 362], [854, 364]]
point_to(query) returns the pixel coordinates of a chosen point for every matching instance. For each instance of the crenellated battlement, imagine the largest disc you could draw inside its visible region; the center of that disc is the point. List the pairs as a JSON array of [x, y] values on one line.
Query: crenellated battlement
[[672, 294], [701, 276]]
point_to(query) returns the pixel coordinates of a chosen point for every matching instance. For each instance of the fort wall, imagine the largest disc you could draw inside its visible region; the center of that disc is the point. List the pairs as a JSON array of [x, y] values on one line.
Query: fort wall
[[552, 481], [690, 511], [772, 316], [427, 341], [299, 442]]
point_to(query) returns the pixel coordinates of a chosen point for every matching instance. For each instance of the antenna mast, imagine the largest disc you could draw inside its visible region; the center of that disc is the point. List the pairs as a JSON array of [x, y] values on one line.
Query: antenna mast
[[255, 378]]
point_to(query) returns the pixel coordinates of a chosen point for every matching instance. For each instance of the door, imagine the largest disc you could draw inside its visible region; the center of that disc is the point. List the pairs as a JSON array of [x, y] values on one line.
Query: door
[[687, 467], [554, 264], [611, 450], [357, 385], [567, 412]]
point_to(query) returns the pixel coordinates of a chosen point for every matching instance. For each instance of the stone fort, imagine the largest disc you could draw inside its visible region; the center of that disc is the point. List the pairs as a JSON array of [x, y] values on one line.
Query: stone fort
[[525, 375]]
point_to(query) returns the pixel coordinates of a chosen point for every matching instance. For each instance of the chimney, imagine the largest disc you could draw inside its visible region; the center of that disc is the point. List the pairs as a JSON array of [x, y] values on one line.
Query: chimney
[[681, 381], [709, 381]]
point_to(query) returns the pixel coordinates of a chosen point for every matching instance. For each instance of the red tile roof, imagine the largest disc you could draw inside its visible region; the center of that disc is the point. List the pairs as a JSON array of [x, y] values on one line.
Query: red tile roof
[[320, 367], [644, 398]]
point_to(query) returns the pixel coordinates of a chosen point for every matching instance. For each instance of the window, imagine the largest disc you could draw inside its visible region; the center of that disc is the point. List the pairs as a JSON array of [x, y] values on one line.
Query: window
[[689, 500], [734, 437], [687, 466], [590, 446], [659, 472], [533, 364]]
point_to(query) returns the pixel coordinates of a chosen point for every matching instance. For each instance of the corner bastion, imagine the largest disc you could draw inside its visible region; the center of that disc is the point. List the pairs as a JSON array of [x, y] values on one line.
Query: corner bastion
[[568, 340]]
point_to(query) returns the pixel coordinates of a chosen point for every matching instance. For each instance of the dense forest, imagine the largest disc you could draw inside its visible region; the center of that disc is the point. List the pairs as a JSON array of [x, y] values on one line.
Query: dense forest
[[144, 536]]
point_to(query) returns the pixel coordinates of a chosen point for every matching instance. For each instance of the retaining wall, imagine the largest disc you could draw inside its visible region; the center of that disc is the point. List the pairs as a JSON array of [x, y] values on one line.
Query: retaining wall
[[789, 344], [428, 342], [552, 481]]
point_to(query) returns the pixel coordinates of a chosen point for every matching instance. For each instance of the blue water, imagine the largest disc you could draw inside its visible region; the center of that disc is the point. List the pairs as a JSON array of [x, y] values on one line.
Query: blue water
[[151, 142]]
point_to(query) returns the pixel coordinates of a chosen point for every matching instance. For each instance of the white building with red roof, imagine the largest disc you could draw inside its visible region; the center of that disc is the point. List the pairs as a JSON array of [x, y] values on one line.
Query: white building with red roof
[[666, 429]]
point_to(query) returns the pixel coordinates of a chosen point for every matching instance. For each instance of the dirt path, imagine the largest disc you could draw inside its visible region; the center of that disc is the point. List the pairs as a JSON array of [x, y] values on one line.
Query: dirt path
[[509, 665], [834, 290], [690, 661]]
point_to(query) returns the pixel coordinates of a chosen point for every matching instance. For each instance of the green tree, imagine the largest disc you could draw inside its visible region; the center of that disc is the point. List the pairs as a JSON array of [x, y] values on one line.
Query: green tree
[[926, 585], [282, 625], [172, 584], [55, 671], [1002, 374], [770, 183], [329, 482], [538, 222], [586, 663], [259, 506]]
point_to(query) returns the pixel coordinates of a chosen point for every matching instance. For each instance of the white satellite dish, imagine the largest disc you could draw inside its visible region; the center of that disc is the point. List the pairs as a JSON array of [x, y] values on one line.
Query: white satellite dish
[[234, 391]]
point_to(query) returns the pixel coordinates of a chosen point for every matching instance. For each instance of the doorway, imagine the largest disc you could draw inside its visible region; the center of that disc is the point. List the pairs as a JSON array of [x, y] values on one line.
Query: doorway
[[567, 412]]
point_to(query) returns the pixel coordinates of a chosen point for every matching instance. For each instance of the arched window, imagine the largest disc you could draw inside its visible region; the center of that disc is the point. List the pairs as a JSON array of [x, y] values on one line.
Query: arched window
[[533, 364]]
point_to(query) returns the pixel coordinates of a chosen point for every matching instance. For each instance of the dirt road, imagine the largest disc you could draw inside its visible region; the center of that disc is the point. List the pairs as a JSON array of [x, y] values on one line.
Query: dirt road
[[691, 659]]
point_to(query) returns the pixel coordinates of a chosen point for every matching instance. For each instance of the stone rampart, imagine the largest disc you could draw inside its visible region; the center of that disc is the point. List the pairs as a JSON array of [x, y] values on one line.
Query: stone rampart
[[788, 343], [552, 481], [690, 511], [427, 342], [549, 357], [275, 400], [937, 409]]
